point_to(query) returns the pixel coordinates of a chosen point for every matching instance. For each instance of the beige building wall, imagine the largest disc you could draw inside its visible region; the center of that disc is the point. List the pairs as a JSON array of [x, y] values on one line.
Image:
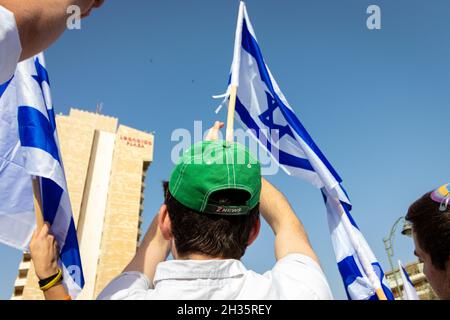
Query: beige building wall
[[109, 245], [125, 204], [76, 137], [93, 210]]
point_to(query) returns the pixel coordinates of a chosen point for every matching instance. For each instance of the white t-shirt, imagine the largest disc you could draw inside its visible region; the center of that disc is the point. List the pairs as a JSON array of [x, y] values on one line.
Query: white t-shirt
[[10, 48], [296, 276]]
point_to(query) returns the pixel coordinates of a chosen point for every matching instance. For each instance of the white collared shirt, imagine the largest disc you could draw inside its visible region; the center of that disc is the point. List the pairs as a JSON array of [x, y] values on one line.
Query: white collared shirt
[[10, 48], [295, 276]]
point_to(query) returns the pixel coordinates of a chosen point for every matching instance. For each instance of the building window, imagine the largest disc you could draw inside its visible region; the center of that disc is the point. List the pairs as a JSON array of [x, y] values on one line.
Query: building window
[[18, 291], [23, 274]]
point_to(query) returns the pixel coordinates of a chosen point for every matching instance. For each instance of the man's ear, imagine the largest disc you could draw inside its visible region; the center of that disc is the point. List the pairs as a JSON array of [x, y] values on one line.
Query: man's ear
[[164, 223], [254, 232]]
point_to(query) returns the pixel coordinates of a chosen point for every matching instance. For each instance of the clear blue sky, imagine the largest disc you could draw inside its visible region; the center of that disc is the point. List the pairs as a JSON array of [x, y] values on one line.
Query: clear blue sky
[[376, 102]]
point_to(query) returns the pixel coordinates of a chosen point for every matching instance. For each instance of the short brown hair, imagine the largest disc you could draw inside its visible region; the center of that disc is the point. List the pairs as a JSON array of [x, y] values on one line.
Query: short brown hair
[[432, 228], [213, 235]]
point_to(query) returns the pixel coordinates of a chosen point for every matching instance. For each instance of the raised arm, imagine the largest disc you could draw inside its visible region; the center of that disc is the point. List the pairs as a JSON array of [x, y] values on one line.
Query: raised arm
[[153, 250], [40, 23], [290, 235]]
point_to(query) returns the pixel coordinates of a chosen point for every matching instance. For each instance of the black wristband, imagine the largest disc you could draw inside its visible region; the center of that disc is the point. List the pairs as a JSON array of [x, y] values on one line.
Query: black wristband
[[46, 281]]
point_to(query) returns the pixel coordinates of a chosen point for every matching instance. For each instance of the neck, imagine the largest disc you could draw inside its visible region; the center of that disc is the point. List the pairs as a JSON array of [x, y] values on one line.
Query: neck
[[198, 256]]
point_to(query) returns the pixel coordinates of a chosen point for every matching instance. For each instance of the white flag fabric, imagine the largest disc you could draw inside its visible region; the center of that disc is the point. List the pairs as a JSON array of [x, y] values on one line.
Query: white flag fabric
[[409, 292], [29, 147], [262, 108], [361, 272]]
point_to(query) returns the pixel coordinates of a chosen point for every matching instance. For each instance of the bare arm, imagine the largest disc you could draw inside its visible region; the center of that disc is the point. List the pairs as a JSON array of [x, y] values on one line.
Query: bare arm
[[40, 23], [290, 235], [153, 250], [44, 254]]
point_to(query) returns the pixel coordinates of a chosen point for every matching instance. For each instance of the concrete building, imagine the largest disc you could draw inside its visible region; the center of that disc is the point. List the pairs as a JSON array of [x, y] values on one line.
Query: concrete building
[[105, 165], [415, 272]]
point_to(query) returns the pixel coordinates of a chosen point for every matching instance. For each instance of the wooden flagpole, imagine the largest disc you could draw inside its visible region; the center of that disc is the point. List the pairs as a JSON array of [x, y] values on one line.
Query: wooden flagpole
[[231, 111], [380, 294], [37, 203], [235, 74]]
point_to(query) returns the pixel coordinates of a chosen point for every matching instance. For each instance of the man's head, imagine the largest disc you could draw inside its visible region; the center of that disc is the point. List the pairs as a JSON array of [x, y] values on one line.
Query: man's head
[[211, 206], [430, 217]]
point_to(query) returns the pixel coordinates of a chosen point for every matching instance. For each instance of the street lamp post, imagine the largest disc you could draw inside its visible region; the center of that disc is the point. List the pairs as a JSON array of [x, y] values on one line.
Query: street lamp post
[[389, 246]]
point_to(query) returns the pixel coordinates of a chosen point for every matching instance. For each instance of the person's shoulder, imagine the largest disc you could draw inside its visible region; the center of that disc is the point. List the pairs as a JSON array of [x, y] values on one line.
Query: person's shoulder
[[298, 276], [10, 47], [128, 285], [297, 260]]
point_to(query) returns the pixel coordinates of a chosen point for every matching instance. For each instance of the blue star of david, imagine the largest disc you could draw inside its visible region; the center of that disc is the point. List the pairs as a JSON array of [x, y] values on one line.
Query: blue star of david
[[40, 78], [267, 118], [42, 74]]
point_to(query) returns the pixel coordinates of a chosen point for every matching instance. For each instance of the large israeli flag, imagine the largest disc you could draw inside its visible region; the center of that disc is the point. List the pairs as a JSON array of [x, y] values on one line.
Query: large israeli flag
[[29, 147], [262, 108], [409, 291]]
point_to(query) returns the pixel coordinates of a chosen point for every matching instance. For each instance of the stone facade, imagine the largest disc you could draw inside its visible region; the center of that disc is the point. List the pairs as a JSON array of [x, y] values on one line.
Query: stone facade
[[108, 248]]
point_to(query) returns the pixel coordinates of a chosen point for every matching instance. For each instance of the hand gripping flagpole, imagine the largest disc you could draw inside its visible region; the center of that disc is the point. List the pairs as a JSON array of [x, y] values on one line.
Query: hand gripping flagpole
[[365, 263], [37, 202], [235, 74]]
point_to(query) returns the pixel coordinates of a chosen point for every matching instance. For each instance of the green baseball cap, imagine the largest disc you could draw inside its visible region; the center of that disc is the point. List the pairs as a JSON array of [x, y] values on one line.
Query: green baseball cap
[[211, 166]]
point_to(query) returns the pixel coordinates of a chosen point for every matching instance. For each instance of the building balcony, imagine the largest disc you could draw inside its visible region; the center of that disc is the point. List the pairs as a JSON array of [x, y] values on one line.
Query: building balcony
[[20, 282], [24, 265]]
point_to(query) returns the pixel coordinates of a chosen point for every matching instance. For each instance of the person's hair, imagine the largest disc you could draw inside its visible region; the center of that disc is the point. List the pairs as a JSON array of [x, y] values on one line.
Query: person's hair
[[432, 229], [210, 234]]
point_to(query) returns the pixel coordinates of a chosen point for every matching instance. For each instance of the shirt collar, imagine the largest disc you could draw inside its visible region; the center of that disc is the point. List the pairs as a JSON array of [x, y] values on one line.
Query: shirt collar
[[198, 269]]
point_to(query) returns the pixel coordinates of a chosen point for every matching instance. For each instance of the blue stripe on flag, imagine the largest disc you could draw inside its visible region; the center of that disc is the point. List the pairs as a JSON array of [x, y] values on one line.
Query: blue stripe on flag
[[284, 158], [349, 272], [70, 254], [250, 45], [51, 116], [51, 197], [379, 272], [36, 131], [407, 276], [3, 87], [347, 208]]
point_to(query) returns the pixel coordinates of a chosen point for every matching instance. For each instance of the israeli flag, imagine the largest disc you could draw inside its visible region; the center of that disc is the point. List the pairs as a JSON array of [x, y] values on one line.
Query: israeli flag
[[262, 108], [29, 147], [409, 291], [361, 272]]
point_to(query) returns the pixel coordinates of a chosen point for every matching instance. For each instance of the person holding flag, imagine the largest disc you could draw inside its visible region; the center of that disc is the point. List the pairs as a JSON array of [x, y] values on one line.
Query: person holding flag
[[254, 95], [29, 146], [209, 217], [33, 187], [45, 255]]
